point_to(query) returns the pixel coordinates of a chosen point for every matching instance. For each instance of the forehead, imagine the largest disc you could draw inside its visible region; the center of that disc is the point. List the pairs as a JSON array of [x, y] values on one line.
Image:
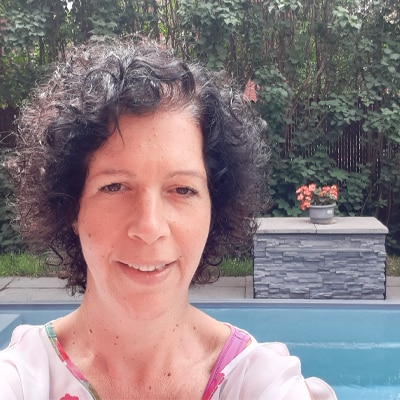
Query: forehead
[[161, 135]]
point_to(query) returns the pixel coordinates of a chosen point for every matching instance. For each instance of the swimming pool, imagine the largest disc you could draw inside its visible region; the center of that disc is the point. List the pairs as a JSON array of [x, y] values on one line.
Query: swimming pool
[[353, 346]]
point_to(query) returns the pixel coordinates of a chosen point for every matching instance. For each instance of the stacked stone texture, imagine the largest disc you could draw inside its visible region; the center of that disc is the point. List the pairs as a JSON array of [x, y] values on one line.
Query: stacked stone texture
[[319, 265]]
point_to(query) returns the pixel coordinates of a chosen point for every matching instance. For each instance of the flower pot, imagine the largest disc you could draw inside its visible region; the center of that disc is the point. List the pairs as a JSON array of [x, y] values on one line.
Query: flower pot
[[322, 214]]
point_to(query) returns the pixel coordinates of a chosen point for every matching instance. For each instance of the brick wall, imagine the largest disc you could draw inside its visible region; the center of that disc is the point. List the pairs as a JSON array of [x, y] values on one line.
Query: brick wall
[[294, 259]]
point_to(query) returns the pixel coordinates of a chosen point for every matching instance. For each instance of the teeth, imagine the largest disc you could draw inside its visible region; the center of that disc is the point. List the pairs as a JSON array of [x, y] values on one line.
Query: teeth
[[146, 268]]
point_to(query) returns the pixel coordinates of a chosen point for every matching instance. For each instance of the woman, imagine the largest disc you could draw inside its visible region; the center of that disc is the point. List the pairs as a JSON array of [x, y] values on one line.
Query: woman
[[141, 172]]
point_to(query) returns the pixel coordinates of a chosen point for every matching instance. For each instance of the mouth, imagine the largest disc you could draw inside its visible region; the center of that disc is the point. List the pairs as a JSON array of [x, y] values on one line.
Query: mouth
[[148, 268]]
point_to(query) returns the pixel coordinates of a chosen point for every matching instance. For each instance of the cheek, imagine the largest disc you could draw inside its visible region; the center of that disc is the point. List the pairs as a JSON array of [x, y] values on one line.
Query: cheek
[[91, 223], [91, 234], [94, 248], [197, 233]]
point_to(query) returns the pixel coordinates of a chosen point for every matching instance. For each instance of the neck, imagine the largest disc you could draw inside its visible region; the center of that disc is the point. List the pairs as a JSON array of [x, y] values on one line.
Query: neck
[[139, 327], [103, 340]]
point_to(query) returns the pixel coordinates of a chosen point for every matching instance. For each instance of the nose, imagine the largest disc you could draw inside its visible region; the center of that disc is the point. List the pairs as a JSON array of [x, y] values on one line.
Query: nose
[[148, 221]]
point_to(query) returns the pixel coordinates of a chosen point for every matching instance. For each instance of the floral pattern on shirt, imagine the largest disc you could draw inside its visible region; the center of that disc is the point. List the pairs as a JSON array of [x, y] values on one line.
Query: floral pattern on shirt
[[69, 364], [67, 396]]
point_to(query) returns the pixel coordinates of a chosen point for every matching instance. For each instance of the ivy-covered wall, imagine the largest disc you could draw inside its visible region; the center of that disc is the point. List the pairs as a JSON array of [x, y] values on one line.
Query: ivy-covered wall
[[326, 71]]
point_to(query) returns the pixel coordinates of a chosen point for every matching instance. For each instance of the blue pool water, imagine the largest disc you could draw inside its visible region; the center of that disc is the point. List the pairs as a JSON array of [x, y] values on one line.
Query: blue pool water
[[354, 347]]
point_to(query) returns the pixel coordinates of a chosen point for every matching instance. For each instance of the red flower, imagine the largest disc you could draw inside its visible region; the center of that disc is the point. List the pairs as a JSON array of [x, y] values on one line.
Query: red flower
[[313, 195]]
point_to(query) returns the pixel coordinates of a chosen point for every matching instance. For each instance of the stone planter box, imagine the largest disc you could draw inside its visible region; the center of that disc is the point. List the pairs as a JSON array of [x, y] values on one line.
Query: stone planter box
[[295, 259]]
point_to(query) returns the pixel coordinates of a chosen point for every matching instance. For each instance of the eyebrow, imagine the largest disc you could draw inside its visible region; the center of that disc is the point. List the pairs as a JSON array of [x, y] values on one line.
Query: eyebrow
[[182, 172], [110, 172], [188, 172]]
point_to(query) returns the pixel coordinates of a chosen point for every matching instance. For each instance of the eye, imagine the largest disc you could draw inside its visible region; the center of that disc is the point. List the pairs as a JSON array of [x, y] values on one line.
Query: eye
[[185, 191], [111, 188]]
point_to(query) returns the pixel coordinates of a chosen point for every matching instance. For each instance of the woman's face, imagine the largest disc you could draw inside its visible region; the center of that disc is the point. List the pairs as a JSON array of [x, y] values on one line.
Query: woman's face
[[145, 208]]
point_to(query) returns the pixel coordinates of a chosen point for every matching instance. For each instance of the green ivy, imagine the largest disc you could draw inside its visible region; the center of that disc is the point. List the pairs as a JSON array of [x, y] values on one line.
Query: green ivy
[[10, 241], [320, 67], [209, 27]]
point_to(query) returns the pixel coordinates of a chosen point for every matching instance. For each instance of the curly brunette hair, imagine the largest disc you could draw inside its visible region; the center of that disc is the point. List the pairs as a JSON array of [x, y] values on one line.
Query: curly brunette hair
[[68, 119]]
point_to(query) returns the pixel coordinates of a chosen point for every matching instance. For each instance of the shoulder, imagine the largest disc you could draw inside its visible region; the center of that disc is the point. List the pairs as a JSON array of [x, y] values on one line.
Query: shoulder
[[22, 362], [26, 348], [267, 371], [22, 334], [30, 368]]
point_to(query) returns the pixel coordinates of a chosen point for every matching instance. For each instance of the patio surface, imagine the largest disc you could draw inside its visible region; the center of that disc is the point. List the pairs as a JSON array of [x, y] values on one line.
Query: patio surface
[[31, 290]]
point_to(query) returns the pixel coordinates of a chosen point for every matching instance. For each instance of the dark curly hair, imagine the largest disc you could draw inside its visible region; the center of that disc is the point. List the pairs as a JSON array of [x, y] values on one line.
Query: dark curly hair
[[68, 119]]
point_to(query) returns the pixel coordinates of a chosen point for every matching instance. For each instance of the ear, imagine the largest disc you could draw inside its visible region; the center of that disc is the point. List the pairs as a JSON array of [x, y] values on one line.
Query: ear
[[75, 227]]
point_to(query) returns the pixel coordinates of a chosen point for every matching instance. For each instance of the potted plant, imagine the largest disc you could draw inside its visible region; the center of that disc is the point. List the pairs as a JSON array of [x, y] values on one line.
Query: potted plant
[[320, 201]]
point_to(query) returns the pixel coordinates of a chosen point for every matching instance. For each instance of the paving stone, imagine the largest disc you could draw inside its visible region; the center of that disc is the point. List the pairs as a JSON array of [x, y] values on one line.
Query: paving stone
[[28, 290], [5, 282], [37, 283]]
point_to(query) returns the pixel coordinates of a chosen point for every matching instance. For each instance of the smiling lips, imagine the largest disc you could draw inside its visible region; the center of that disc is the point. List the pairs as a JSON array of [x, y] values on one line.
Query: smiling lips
[[148, 268]]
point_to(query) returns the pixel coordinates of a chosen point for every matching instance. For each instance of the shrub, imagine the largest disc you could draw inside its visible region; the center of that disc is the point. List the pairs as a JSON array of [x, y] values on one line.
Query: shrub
[[10, 240]]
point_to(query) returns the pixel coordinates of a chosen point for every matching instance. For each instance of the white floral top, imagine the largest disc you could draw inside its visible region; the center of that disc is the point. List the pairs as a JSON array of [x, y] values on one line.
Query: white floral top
[[35, 366]]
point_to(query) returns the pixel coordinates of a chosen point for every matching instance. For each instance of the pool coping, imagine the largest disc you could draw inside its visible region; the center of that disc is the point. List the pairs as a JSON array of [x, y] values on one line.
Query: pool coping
[[213, 303]]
